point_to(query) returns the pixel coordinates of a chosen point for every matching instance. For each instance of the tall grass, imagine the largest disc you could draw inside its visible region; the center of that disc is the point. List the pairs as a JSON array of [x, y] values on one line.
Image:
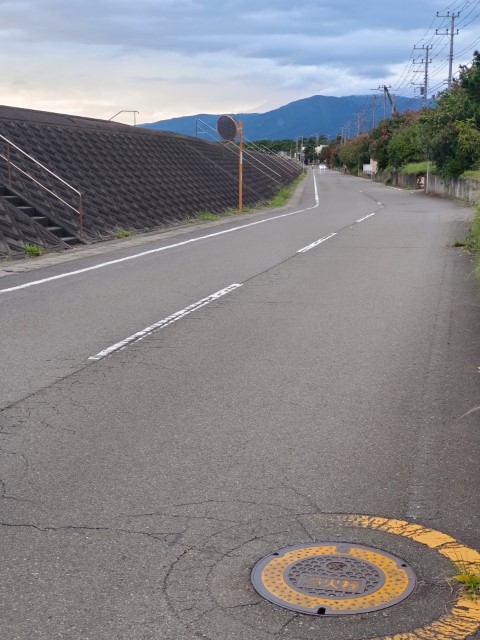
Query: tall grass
[[472, 241], [418, 167], [474, 174], [283, 195]]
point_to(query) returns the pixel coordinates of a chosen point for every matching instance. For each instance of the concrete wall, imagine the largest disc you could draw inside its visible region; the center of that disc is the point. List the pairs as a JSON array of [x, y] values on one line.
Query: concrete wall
[[463, 189], [468, 190]]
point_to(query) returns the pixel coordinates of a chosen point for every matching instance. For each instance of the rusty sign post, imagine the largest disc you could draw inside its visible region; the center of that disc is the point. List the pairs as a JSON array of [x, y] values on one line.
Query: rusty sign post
[[240, 169]]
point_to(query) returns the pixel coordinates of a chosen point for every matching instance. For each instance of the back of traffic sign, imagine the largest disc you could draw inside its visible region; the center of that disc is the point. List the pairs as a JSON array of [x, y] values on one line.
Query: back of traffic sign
[[227, 128]]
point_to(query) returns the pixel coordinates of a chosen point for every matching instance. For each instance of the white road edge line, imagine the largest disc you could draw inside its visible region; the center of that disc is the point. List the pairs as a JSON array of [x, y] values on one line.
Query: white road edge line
[[170, 246], [316, 243], [369, 216], [161, 324]]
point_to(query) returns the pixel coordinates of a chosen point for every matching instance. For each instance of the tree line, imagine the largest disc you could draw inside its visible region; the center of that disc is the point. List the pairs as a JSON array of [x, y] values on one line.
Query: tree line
[[304, 148], [447, 135]]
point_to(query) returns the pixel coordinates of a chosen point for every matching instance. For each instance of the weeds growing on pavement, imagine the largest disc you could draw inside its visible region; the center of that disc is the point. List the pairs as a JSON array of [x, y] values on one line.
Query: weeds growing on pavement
[[206, 215], [123, 233], [469, 578], [472, 241], [283, 195], [32, 250]]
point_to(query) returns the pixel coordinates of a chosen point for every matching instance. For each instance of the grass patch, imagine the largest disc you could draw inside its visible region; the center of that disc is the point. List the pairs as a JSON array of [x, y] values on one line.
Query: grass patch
[[32, 250], [472, 241], [123, 233], [469, 578], [418, 167], [283, 195], [206, 215], [473, 175]]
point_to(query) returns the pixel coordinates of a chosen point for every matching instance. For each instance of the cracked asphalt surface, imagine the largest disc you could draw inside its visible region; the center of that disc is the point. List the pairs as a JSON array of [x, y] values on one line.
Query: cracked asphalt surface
[[139, 491]]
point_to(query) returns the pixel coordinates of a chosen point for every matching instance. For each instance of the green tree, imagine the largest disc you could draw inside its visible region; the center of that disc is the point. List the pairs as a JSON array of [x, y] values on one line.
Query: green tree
[[379, 139], [355, 152], [394, 142], [469, 140], [403, 145], [329, 154], [272, 145], [448, 134], [309, 145]]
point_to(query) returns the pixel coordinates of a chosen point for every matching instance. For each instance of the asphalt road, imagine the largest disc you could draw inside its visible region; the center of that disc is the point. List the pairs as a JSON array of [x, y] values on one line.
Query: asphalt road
[[143, 478]]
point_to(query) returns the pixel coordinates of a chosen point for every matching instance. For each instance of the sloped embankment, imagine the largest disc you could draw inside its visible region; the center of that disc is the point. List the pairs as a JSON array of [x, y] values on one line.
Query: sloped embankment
[[129, 178]]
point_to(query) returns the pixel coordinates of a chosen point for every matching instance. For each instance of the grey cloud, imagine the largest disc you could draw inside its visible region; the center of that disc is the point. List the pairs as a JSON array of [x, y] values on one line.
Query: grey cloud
[[184, 25], [282, 33], [176, 80]]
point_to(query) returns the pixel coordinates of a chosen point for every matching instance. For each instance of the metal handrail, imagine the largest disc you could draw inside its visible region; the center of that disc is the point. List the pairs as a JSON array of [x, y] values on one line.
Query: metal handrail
[[248, 155], [11, 164]]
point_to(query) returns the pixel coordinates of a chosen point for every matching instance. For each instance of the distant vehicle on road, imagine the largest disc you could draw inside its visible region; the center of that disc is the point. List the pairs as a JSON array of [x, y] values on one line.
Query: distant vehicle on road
[[322, 167]]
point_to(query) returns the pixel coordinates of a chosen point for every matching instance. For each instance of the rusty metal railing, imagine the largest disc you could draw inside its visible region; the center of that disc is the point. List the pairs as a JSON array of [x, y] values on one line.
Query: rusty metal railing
[[11, 165]]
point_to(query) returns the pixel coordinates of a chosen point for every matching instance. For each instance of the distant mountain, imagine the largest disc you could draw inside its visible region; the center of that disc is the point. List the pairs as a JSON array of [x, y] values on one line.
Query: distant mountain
[[311, 116]]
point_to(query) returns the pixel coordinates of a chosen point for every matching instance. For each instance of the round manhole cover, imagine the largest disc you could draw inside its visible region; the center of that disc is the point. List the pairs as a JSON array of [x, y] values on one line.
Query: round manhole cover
[[329, 578]]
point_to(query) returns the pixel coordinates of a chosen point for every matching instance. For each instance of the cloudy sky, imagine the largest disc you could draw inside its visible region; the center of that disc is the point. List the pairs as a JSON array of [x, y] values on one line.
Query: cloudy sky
[[167, 58]]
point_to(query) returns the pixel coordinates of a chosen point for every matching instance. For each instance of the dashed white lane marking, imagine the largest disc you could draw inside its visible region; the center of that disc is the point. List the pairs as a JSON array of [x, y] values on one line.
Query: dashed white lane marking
[[161, 324], [316, 243], [170, 246], [365, 217], [317, 200]]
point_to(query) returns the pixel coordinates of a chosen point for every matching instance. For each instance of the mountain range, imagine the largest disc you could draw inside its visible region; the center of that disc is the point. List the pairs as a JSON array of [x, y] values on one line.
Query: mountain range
[[314, 116]]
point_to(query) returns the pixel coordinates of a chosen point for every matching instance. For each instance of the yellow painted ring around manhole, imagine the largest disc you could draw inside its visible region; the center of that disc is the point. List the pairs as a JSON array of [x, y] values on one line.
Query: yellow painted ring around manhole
[[463, 619]]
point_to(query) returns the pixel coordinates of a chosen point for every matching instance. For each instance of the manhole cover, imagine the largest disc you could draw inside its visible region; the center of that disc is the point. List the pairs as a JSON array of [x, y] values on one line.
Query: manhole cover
[[329, 578]]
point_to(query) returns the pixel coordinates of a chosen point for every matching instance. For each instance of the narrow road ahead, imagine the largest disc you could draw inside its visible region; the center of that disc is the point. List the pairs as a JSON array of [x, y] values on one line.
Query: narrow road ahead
[[174, 411]]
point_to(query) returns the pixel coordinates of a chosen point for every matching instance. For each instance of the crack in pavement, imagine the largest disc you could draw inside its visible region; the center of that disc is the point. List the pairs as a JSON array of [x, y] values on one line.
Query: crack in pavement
[[159, 535]]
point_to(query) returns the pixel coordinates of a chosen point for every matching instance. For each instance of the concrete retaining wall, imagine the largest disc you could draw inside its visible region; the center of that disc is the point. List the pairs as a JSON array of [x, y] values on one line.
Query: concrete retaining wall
[[467, 190]]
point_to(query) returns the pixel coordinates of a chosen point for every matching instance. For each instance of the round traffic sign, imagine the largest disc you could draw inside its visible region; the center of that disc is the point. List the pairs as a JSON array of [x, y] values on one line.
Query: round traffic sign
[[227, 128]]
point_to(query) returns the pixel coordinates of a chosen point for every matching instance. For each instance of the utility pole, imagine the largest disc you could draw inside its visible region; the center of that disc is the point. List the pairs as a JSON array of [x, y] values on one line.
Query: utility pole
[[360, 122], [374, 108], [452, 33], [386, 92], [426, 62]]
